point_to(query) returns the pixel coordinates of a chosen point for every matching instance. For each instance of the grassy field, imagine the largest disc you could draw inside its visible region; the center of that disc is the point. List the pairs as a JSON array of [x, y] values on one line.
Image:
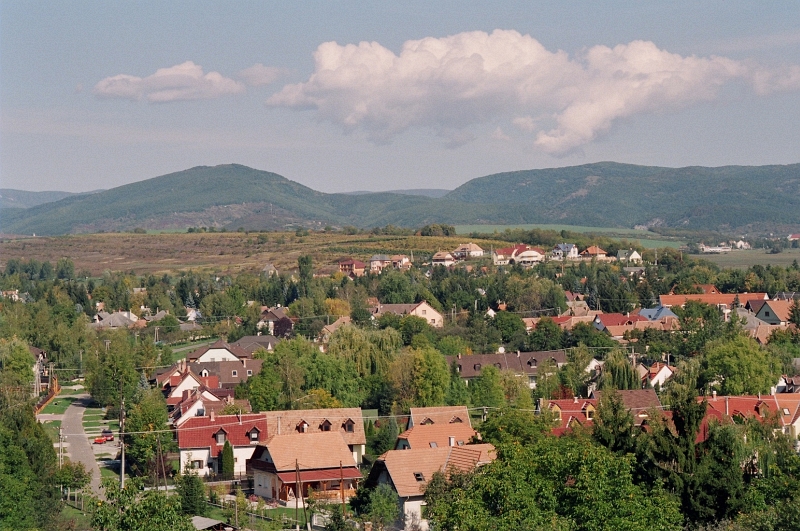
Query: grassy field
[[751, 257], [229, 252]]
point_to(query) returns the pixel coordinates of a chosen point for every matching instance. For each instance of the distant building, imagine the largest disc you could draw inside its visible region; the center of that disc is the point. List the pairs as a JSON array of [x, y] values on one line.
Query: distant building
[[467, 250]]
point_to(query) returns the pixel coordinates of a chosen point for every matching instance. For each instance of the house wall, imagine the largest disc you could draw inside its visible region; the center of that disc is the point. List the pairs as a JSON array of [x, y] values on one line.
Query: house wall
[[240, 456], [218, 354], [266, 484], [412, 512], [427, 312], [187, 384], [197, 454]]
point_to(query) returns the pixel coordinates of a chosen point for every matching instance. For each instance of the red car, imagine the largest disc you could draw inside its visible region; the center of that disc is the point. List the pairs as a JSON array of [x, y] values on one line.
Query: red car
[[100, 440], [108, 434]]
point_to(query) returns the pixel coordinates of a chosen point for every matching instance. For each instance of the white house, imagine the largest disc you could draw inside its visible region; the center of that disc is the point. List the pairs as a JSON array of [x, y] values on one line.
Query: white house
[[201, 440], [467, 250], [219, 351], [565, 251]]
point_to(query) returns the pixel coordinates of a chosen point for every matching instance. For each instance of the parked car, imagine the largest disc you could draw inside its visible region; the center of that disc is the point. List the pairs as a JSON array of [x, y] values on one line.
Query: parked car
[[99, 440], [108, 434]]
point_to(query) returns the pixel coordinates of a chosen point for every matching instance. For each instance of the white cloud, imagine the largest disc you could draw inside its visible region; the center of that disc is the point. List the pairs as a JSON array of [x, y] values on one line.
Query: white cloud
[[453, 82], [259, 74], [498, 134], [182, 82]]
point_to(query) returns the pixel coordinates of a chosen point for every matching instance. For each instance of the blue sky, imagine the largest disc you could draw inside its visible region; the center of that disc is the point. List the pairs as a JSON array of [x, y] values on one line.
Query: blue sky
[[344, 96]]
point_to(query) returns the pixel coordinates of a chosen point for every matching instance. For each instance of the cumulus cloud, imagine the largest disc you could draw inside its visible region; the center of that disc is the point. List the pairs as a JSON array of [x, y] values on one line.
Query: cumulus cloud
[[259, 74], [182, 82], [453, 82]]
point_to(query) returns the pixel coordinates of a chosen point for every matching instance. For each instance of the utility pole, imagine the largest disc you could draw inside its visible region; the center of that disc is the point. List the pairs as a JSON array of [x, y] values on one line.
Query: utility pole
[[341, 489], [60, 447], [122, 443], [81, 366], [296, 494]]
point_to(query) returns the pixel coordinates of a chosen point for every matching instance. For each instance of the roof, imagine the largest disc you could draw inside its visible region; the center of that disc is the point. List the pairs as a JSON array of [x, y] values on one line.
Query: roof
[[617, 319], [200, 432], [440, 415], [781, 309], [201, 523], [437, 435], [308, 451], [253, 343], [237, 351], [223, 370], [593, 250], [467, 247], [443, 255], [572, 410], [519, 363], [789, 404], [286, 422], [654, 314], [637, 401], [410, 470], [714, 299], [760, 406]]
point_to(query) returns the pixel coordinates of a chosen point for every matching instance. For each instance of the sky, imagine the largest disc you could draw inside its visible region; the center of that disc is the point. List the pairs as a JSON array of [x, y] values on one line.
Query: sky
[[345, 96]]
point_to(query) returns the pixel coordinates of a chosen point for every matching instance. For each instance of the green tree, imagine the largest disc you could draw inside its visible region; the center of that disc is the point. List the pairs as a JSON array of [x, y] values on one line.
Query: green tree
[[618, 372], [487, 389], [431, 377], [192, 492], [134, 509], [739, 366], [384, 507], [227, 460], [613, 423], [147, 441], [306, 266], [17, 364]]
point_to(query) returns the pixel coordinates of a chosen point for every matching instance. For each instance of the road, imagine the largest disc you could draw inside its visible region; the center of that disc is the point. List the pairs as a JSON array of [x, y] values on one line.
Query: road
[[80, 449]]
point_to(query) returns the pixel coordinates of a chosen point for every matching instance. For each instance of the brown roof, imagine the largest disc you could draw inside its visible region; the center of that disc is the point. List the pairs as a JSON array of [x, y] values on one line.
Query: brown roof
[[638, 401], [440, 415], [410, 470], [709, 298], [224, 370], [287, 422], [437, 435], [253, 343], [522, 363], [781, 309], [593, 251], [309, 451], [236, 351]]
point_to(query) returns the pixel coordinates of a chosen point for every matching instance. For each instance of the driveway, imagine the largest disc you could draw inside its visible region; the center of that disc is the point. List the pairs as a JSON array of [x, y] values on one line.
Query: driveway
[[78, 446]]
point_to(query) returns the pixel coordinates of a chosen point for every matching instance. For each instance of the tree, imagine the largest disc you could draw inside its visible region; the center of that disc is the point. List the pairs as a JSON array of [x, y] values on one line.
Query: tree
[[17, 364], [192, 492], [613, 423], [306, 267], [147, 440], [133, 509], [546, 336], [384, 507], [386, 437], [431, 377], [487, 389], [618, 372], [794, 312], [227, 460], [739, 366], [73, 475]]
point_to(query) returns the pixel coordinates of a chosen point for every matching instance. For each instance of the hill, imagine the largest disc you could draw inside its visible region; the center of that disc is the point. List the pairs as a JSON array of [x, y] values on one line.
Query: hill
[[605, 194], [10, 198]]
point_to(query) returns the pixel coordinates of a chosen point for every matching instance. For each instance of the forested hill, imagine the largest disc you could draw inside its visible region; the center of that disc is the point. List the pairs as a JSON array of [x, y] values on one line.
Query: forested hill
[[607, 194]]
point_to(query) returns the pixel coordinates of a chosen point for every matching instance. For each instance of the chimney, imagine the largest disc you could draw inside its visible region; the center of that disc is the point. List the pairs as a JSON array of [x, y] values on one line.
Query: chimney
[[518, 353], [279, 425], [726, 406], [714, 395], [459, 355], [574, 399], [212, 415], [244, 362], [451, 441]]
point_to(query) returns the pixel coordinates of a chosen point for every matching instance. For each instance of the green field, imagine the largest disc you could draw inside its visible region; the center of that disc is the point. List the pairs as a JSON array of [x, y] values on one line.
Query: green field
[[647, 239], [751, 257], [58, 405]]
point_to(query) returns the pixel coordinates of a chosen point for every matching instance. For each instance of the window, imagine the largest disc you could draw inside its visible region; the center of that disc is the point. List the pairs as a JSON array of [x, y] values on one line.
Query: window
[[234, 373], [325, 426], [433, 444], [254, 434], [220, 437], [427, 421], [786, 411], [424, 312], [349, 426], [766, 314], [249, 372], [418, 476], [197, 465], [477, 366], [302, 427]]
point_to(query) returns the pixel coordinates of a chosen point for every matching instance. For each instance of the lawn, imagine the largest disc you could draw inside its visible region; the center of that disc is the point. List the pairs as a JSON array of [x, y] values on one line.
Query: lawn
[[51, 428], [82, 521], [58, 405], [744, 259]]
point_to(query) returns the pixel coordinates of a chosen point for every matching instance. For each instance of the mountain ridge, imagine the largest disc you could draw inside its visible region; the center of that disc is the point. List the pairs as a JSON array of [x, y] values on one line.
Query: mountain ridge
[[607, 194]]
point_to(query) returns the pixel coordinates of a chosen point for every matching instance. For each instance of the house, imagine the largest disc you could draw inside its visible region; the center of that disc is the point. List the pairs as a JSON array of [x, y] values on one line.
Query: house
[[12, 294], [276, 320], [789, 407], [218, 351], [570, 412], [347, 421], [714, 299], [420, 309], [253, 343], [522, 364], [763, 408], [201, 440], [775, 312], [787, 384], [438, 415], [638, 401], [328, 330], [178, 379], [435, 436], [467, 250], [443, 258], [605, 320], [656, 314], [268, 270], [286, 468], [629, 256], [793, 237], [593, 252], [228, 373], [352, 268], [565, 251], [192, 314], [115, 320], [378, 262], [523, 255], [715, 249], [401, 261], [566, 322], [787, 295], [201, 402], [657, 375], [409, 471]]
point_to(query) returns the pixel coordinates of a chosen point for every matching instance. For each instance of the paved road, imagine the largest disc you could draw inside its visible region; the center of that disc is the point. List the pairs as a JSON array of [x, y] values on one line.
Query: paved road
[[80, 449]]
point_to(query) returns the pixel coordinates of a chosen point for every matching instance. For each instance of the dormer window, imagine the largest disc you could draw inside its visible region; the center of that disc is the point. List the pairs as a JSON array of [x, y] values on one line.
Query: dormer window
[[427, 421], [249, 372], [302, 427], [433, 444], [220, 436], [325, 426], [532, 362], [477, 366], [418, 476], [253, 435], [456, 420], [349, 426], [234, 373]]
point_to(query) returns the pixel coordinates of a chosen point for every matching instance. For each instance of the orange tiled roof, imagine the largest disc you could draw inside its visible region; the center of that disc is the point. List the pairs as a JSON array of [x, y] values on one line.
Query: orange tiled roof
[[428, 435]]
